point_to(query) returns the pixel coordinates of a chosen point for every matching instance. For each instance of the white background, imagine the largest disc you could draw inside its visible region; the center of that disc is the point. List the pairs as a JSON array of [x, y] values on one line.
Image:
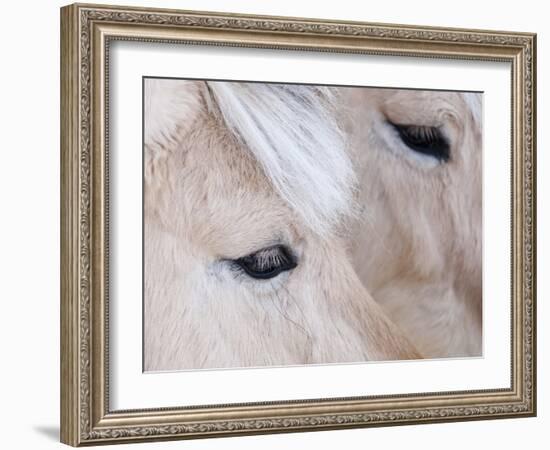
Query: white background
[[29, 241]]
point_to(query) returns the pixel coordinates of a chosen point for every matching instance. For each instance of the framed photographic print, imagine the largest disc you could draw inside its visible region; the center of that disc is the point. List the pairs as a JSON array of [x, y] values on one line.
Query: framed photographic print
[[275, 224]]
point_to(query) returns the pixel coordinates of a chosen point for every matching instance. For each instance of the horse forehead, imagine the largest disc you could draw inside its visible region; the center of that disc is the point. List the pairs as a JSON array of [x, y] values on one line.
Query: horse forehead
[[231, 204], [225, 167]]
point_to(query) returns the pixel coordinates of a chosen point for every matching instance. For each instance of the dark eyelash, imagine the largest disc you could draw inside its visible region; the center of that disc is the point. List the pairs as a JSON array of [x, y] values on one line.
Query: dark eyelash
[[426, 140], [266, 263]]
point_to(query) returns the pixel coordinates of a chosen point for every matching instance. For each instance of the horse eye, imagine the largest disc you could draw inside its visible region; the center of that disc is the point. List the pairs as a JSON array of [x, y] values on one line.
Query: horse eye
[[267, 263], [426, 140]]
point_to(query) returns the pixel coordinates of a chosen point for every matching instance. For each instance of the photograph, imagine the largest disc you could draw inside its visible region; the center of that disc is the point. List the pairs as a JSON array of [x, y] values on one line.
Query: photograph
[[282, 223], [296, 224]]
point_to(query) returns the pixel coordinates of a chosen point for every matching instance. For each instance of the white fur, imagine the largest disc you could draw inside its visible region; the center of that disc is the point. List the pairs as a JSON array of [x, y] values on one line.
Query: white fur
[[168, 107], [473, 101], [293, 133]]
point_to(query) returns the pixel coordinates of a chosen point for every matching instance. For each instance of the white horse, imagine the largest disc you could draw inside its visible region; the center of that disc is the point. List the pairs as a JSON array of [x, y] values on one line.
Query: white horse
[[251, 196]]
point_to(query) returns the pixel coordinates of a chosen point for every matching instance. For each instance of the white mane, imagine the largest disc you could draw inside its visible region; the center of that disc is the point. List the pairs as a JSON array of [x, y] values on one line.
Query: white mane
[[293, 134]]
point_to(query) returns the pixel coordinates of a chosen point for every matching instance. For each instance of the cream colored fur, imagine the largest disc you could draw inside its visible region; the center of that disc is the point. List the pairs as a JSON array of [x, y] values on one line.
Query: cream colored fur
[[220, 184], [418, 245], [207, 199]]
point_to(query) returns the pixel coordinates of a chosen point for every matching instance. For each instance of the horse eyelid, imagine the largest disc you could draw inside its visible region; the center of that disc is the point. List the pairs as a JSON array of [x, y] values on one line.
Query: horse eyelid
[[436, 144], [262, 264]]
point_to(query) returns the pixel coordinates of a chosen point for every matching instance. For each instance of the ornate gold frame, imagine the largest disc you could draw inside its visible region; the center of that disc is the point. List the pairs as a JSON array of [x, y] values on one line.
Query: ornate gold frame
[[86, 31]]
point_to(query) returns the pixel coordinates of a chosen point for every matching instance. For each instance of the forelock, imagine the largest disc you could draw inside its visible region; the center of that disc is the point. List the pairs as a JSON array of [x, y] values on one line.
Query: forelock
[[293, 133]]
